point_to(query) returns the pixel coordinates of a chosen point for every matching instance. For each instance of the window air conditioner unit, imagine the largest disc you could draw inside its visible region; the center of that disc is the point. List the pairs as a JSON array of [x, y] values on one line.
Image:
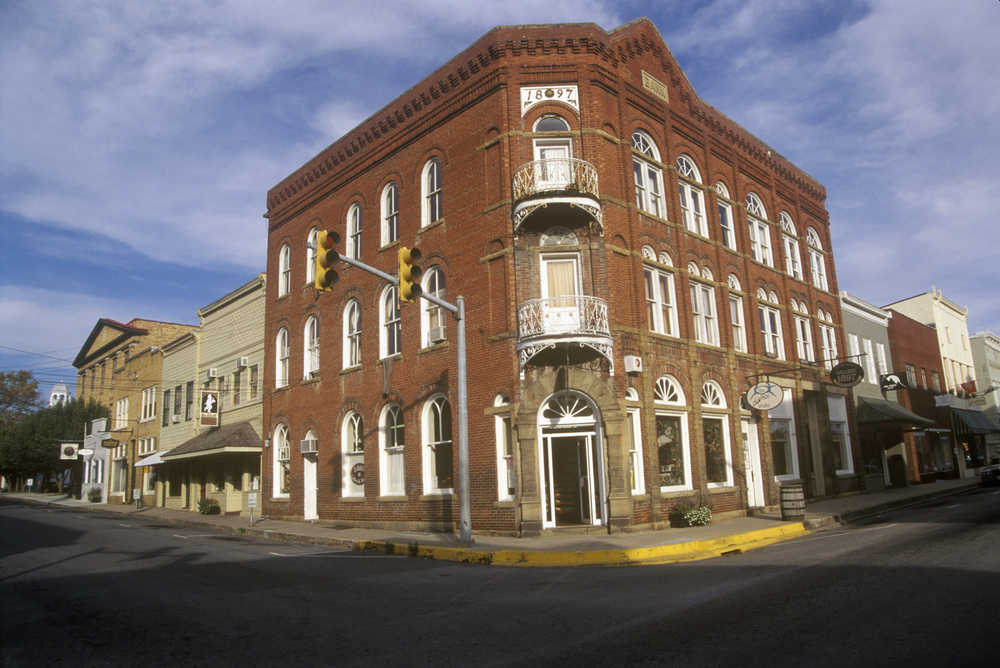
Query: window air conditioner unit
[[633, 364], [175, 418], [436, 334], [309, 446], [213, 373], [244, 361]]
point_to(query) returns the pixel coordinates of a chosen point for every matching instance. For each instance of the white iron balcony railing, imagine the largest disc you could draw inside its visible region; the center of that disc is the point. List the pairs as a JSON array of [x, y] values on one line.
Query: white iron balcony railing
[[575, 315], [555, 175]]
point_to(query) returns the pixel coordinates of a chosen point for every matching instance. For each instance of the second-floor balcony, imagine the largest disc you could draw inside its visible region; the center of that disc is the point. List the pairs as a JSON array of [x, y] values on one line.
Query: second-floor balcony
[[561, 186], [561, 330]]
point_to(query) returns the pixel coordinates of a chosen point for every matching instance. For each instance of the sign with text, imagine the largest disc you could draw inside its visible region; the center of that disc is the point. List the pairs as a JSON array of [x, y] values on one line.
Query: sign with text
[[251, 500], [847, 374], [765, 396], [209, 408], [892, 381], [532, 95]]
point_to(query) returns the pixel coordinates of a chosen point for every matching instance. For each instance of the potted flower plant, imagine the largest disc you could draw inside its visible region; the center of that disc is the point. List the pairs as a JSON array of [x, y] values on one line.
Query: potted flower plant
[[693, 512]]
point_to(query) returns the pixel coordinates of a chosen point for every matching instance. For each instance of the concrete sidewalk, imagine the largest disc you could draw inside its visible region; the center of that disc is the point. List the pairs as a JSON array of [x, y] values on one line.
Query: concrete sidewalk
[[555, 548]]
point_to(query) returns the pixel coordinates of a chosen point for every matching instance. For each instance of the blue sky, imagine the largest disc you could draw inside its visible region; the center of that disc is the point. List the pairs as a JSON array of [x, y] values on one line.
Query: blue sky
[[138, 140]]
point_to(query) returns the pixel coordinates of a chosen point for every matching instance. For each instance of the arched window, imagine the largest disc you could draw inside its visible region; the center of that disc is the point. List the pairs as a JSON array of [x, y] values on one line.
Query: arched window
[[311, 255], [439, 469], [391, 325], [551, 123], [432, 316], [736, 315], [637, 478], [673, 454], [816, 259], [311, 359], [506, 478], [726, 216], [281, 355], [391, 452], [282, 461], [353, 439], [352, 334], [354, 232], [715, 430], [691, 197], [648, 176], [284, 270], [793, 260], [390, 213], [760, 232], [431, 190]]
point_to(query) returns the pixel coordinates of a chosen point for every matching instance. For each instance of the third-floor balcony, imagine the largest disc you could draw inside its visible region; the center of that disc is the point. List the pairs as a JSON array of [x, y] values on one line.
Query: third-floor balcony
[[557, 187], [561, 330]]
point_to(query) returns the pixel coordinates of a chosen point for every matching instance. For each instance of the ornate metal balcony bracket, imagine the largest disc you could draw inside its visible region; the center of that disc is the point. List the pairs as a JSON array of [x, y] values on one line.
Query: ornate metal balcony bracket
[[580, 321], [606, 350], [560, 181]]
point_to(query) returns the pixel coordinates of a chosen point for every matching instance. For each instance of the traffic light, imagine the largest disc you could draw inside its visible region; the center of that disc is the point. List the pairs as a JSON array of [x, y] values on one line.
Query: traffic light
[[409, 274], [326, 260]]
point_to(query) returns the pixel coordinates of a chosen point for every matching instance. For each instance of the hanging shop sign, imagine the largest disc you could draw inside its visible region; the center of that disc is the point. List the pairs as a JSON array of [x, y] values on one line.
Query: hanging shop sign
[[892, 381], [765, 396], [209, 409], [847, 374]]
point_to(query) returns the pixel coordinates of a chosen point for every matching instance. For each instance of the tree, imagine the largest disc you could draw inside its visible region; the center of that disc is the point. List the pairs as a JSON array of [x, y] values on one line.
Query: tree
[[19, 397], [32, 446]]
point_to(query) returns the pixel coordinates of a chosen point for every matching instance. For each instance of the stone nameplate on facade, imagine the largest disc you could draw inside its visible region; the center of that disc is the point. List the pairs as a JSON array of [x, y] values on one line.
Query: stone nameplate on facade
[[533, 95], [655, 86]]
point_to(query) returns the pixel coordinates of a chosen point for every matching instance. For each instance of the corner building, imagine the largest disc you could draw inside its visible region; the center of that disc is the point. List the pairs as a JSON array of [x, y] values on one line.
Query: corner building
[[632, 261]]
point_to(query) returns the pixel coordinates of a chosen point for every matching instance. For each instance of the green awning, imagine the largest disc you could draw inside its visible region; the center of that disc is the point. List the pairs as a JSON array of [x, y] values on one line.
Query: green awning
[[973, 422], [881, 412]]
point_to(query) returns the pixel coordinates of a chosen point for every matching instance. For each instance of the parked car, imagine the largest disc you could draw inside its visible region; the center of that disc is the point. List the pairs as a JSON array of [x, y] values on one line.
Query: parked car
[[990, 475]]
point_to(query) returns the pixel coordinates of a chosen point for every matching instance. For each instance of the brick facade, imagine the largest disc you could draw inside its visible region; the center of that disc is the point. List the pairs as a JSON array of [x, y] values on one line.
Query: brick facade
[[502, 246]]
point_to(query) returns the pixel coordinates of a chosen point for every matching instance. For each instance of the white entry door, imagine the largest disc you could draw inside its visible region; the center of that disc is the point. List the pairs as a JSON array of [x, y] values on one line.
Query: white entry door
[[560, 289], [309, 488], [552, 171], [751, 456]]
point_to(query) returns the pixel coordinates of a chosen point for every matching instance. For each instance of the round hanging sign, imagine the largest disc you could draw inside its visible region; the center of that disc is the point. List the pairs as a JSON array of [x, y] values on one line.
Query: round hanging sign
[[847, 374], [358, 474], [765, 396]]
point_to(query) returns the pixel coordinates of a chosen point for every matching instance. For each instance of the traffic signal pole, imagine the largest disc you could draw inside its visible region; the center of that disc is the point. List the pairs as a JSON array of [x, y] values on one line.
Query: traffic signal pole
[[457, 311]]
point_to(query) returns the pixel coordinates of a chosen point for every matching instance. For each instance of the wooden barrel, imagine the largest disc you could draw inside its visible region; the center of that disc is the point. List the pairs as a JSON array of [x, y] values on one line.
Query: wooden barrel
[[793, 502]]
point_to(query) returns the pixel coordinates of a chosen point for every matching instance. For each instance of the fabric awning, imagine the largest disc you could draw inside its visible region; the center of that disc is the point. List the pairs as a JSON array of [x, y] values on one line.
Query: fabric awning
[[872, 411], [973, 422], [240, 437], [155, 458]]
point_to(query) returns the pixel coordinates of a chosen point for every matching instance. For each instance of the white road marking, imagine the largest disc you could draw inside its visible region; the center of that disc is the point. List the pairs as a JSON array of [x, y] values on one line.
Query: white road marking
[[344, 553], [954, 506], [835, 535]]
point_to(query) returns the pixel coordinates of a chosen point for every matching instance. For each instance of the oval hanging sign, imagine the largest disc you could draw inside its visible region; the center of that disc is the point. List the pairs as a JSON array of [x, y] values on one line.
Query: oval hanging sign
[[847, 374], [765, 396]]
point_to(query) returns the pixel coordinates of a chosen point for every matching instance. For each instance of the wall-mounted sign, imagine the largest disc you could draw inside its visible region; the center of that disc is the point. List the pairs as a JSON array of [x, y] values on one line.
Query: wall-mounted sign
[[358, 473], [892, 381], [110, 443], [765, 396], [533, 95], [655, 86], [209, 409], [847, 374]]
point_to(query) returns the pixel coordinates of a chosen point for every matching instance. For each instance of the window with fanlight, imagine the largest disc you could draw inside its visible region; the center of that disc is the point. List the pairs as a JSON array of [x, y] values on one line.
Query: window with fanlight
[[648, 174]]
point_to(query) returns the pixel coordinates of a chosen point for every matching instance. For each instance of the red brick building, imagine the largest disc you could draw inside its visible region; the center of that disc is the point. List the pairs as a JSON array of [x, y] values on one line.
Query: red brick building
[[632, 261]]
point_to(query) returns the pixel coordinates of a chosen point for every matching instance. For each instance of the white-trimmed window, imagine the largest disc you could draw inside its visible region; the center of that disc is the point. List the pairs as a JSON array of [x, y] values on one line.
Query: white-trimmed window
[[432, 321], [803, 332], [840, 435], [282, 352], [506, 477], [354, 231], [284, 270], [784, 448], [392, 452], [282, 461], [390, 323], [827, 338], [149, 477], [726, 216], [770, 329], [637, 480], [715, 430], [760, 231], [703, 313], [353, 439], [121, 414], [648, 175], [147, 445], [352, 334], [311, 242], [310, 361], [691, 197], [793, 260], [390, 213], [661, 308], [870, 365], [431, 191], [439, 461], [148, 404], [736, 315], [816, 259], [673, 449]]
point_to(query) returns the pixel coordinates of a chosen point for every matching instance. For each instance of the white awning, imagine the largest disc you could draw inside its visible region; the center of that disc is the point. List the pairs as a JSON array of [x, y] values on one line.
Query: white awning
[[149, 461]]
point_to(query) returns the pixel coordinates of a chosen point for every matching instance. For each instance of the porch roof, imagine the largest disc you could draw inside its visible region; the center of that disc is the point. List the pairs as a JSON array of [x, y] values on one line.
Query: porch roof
[[240, 437]]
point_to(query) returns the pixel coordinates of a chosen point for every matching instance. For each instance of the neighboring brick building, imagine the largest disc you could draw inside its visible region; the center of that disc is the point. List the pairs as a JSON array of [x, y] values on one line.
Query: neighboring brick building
[[121, 366], [632, 262]]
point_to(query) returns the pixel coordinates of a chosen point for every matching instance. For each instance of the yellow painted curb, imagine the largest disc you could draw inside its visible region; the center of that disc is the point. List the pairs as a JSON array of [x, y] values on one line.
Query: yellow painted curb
[[687, 551]]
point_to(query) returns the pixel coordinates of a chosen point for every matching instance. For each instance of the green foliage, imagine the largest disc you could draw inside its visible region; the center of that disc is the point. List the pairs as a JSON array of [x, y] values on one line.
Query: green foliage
[[19, 397], [693, 512], [31, 446], [208, 506], [94, 495]]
